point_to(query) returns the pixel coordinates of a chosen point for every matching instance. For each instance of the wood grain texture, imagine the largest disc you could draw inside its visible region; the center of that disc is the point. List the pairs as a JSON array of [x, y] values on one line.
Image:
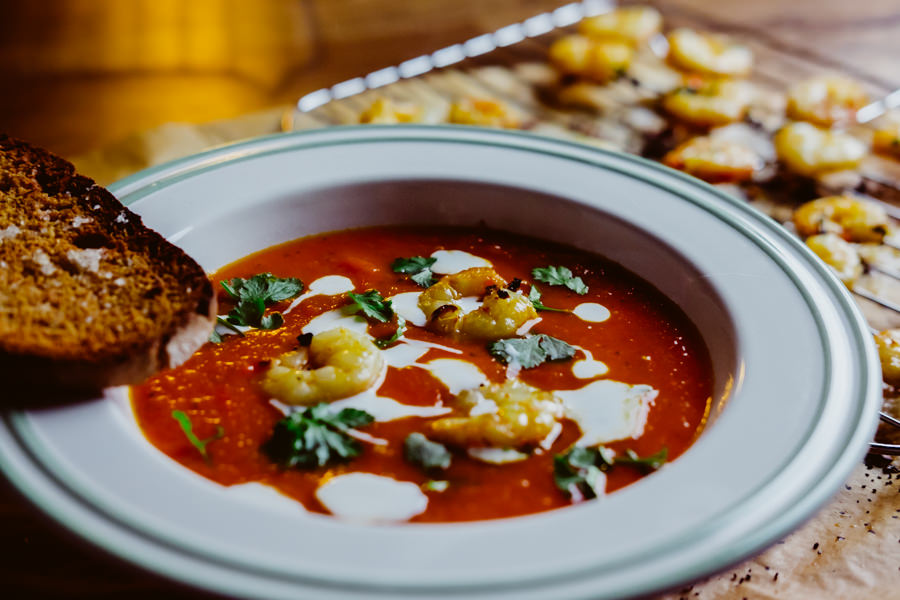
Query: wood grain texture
[[78, 74]]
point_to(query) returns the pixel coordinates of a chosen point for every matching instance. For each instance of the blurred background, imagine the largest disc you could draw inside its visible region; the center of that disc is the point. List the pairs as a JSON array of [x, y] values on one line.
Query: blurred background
[[78, 74]]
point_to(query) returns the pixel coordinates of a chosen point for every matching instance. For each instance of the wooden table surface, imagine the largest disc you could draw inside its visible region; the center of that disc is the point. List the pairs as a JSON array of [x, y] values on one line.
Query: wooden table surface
[[78, 74]]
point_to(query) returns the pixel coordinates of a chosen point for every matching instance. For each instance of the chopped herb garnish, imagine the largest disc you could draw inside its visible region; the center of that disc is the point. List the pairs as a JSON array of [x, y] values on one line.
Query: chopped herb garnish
[[188, 429], [417, 267], [646, 464], [227, 325], [271, 321], [579, 472], [255, 294], [401, 329], [315, 437], [529, 352], [372, 304], [436, 486], [534, 294], [424, 453], [560, 276]]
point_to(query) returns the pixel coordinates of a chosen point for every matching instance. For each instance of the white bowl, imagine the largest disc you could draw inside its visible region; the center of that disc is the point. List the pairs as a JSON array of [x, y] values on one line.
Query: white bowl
[[797, 385]]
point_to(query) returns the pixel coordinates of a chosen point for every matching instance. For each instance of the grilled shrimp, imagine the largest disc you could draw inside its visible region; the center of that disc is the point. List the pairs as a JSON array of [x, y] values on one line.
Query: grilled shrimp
[[708, 54], [826, 100], [482, 112], [338, 363], [500, 315], [711, 103], [714, 160], [888, 343], [508, 415], [809, 150], [633, 24], [854, 219], [838, 254], [887, 140], [386, 111], [599, 60]]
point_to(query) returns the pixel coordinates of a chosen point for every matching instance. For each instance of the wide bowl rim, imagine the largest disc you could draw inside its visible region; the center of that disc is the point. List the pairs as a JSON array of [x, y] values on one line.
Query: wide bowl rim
[[150, 180]]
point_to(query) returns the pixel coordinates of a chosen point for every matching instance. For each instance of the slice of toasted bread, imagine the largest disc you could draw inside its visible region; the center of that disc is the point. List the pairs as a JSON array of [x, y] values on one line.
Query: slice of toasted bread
[[89, 296]]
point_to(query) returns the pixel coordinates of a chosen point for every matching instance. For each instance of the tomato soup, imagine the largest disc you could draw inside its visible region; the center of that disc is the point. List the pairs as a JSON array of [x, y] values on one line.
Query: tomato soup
[[633, 379]]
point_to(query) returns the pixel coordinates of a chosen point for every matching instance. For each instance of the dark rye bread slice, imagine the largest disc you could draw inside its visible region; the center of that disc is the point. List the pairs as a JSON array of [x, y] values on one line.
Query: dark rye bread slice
[[89, 296]]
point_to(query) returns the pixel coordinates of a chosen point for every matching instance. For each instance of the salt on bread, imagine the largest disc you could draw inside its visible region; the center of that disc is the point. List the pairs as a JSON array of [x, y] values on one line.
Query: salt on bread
[[89, 296]]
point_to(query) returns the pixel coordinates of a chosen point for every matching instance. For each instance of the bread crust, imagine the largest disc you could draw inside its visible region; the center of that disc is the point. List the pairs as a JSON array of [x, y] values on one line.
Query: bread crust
[[95, 256]]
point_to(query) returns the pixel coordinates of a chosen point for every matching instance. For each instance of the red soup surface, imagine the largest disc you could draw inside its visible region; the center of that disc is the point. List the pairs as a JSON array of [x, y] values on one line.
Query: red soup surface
[[646, 340]]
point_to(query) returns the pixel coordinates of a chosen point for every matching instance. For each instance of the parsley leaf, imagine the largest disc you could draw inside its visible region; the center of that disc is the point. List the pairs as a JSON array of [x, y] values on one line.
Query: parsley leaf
[[424, 278], [265, 286], [248, 311], [216, 337], [185, 422], [421, 451], [646, 464], [555, 348], [417, 267], [579, 472], [271, 321], [436, 486], [255, 294], [534, 294], [531, 351], [401, 329], [560, 276], [315, 437], [372, 304]]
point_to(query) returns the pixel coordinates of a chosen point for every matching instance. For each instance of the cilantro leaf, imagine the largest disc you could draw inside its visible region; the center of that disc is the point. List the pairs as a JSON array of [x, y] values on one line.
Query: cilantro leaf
[[531, 351], [525, 352], [560, 276], [579, 471], [534, 294], [185, 422], [266, 286], [271, 321], [555, 348], [417, 267], [248, 312], [424, 278], [421, 451], [372, 304], [216, 337], [283, 289], [645, 464], [231, 291], [253, 295], [436, 486], [401, 329], [315, 437]]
